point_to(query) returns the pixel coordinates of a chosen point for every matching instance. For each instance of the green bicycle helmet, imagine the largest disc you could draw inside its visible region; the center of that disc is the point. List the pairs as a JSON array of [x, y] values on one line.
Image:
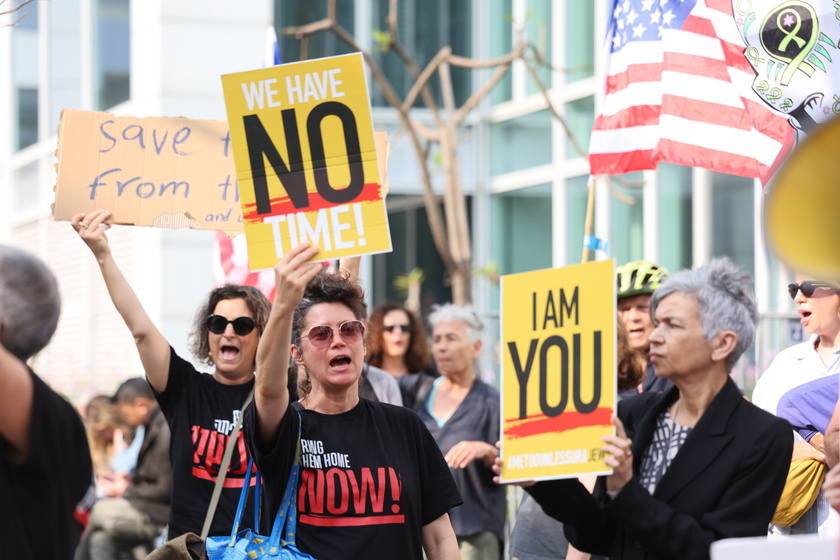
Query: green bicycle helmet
[[639, 277]]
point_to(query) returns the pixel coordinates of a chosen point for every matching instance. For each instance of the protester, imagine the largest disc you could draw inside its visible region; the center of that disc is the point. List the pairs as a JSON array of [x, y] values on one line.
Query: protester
[[200, 409], [110, 438], [637, 281], [397, 340], [45, 464], [377, 385], [137, 515], [462, 413], [388, 489], [535, 535], [818, 304], [697, 463]]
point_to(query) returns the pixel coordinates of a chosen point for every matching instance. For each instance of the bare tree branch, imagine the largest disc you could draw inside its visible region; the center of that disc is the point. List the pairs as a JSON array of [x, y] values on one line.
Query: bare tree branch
[[450, 232], [15, 9]]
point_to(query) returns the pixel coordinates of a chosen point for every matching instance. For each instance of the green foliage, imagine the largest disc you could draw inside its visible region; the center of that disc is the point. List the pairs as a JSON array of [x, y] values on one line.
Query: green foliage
[[382, 41], [404, 282], [490, 271]]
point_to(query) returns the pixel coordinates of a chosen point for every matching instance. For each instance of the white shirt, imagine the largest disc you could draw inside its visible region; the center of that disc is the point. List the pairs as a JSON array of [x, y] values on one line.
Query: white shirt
[[790, 368]]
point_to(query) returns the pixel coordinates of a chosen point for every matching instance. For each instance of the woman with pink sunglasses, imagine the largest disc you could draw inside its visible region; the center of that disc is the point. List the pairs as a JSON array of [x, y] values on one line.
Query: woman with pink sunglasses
[[373, 483]]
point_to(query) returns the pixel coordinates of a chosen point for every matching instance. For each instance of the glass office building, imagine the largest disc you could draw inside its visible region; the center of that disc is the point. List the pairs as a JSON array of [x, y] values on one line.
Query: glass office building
[[523, 171]]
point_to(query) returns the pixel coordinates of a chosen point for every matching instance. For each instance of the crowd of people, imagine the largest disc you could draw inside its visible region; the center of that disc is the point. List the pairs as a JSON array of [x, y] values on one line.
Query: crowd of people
[[395, 430]]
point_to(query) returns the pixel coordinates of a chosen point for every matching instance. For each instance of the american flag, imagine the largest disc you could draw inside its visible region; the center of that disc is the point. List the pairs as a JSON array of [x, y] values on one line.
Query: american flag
[[678, 89]]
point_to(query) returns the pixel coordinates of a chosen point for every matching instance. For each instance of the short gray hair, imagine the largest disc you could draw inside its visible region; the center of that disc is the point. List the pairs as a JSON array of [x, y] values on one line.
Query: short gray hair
[[29, 302], [724, 298], [464, 313]]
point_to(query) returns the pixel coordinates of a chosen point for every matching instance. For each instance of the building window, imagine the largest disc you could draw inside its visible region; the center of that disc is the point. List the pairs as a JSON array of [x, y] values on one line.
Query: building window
[[580, 117], [732, 219], [577, 193], [413, 247], [538, 33], [675, 217], [27, 16], [113, 54], [501, 43], [520, 143], [627, 236], [25, 68], [580, 40], [27, 110], [324, 43], [425, 26], [522, 229]]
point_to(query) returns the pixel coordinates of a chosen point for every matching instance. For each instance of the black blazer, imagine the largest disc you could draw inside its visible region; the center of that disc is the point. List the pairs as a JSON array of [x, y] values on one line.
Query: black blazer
[[724, 482]]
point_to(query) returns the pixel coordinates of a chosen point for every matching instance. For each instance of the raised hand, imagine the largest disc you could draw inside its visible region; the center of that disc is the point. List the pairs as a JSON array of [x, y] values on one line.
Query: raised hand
[[91, 228], [293, 272], [619, 458]]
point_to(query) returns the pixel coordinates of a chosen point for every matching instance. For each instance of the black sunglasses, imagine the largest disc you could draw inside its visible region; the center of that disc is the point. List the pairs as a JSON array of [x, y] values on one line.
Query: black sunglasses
[[217, 324], [807, 288], [351, 331], [402, 328]]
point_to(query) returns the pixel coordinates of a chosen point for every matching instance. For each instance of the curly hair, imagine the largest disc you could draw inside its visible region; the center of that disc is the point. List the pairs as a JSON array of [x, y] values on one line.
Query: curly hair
[[631, 362], [417, 355], [325, 287], [255, 300]]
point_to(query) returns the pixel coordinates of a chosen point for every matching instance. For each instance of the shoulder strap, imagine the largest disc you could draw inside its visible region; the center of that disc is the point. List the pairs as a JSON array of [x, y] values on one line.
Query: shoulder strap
[[223, 468]]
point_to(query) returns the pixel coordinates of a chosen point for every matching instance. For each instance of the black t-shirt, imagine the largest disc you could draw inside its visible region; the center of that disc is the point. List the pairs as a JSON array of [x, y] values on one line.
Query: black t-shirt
[[201, 413], [371, 478], [38, 496]]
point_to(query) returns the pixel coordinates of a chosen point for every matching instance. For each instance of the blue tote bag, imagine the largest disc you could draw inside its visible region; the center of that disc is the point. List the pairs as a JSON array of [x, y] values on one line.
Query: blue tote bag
[[248, 544]]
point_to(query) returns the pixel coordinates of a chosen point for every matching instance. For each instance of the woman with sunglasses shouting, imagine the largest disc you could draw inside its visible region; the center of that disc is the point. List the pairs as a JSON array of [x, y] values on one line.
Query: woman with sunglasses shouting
[[818, 305], [200, 409], [373, 482], [397, 340]]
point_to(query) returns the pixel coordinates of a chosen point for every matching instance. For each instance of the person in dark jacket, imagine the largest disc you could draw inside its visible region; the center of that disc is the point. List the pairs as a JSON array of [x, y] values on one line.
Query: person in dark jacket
[[694, 464], [45, 464], [121, 523]]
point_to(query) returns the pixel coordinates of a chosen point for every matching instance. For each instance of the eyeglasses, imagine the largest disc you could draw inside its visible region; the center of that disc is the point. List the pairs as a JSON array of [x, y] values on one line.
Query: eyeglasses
[[351, 331], [401, 328], [807, 288], [217, 324]]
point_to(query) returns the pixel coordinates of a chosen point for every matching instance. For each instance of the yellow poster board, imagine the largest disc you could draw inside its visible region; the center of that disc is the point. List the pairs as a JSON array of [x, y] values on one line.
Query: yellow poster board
[[558, 370], [305, 157]]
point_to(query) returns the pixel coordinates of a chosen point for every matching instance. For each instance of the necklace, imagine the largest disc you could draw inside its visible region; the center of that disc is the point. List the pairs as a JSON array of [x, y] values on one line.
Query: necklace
[[676, 411]]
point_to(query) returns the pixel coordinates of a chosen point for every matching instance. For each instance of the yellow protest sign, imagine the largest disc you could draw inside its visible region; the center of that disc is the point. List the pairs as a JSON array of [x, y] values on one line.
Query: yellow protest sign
[[305, 157], [558, 370]]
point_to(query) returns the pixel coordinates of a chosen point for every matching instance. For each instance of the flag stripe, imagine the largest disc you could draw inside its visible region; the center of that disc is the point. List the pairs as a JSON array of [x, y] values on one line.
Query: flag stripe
[[679, 89]]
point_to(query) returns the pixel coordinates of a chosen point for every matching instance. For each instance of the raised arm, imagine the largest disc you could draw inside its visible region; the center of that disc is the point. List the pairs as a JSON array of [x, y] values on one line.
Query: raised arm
[[152, 346], [16, 394], [271, 394]]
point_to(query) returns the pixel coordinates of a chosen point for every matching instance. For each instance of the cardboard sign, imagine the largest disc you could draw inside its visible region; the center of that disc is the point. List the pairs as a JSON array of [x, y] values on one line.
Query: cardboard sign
[[158, 171], [558, 371], [305, 158]]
